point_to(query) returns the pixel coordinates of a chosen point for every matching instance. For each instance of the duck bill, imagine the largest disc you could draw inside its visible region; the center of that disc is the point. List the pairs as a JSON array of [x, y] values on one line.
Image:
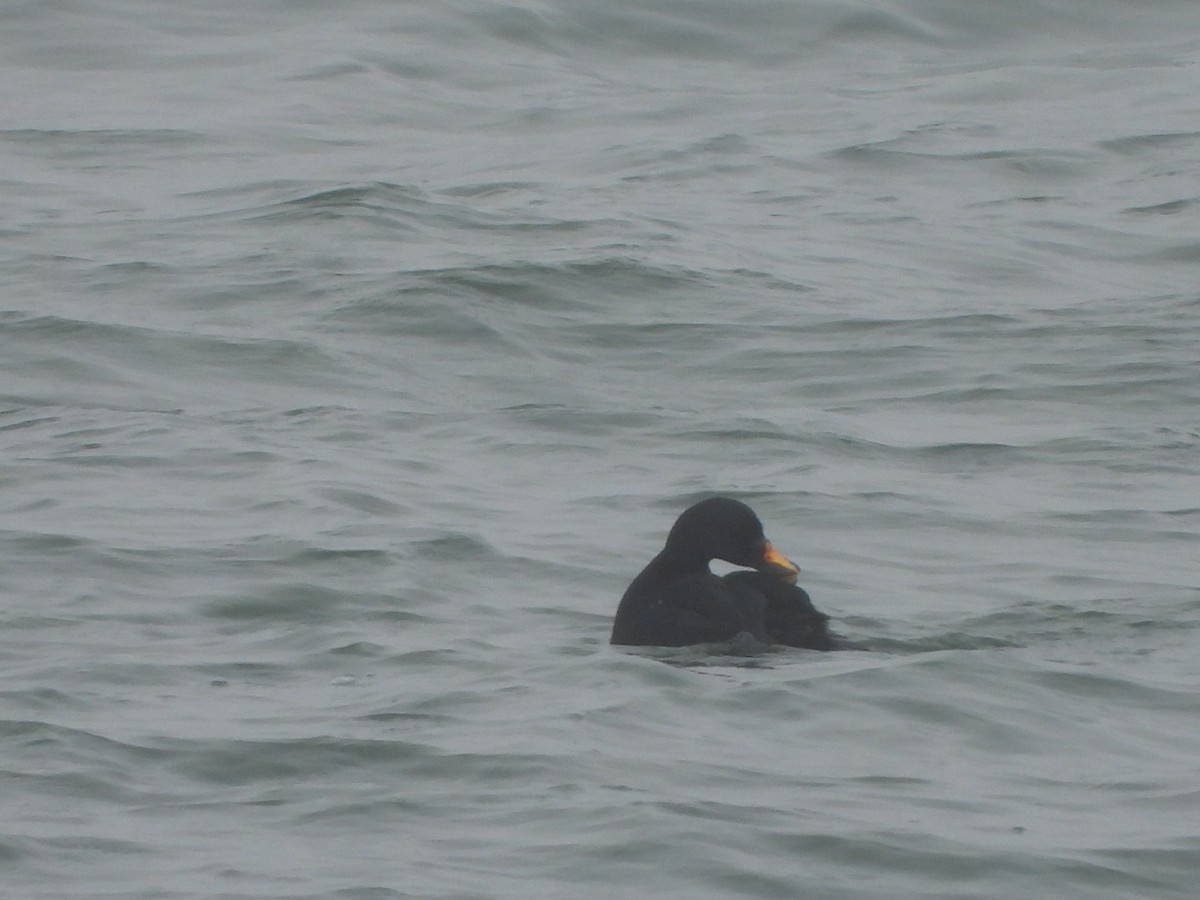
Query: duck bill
[[779, 565]]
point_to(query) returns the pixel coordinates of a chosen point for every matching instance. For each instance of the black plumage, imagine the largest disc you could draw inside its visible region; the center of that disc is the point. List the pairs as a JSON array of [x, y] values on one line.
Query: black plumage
[[676, 600]]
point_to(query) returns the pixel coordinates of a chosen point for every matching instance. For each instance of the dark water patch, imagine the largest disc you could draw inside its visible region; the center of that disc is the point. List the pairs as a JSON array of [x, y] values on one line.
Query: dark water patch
[[423, 313], [373, 813], [770, 33], [964, 456], [32, 422], [1149, 871], [1138, 144], [417, 718], [107, 146], [364, 502], [437, 658], [40, 699], [403, 617], [1185, 251], [934, 643], [30, 740], [364, 649], [245, 672], [79, 848], [495, 773], [86, 456], [577, 422], [147, 362], [854, 447], [1096, 388], [457, 547], [496, 303], [381, 209], [520, 286], [1169, 208], [743, 652], [14, 848], [1115, 622], [652, 342], [388, 204], [261, 556], [365, 893], [759, 433], [721, 658], [462, 705], [1122, 516], [661, 31], [17, 622], [92, 783], [487, 189], [954, 866], [910, 153], [298, 602], [231, 763], [32, 542], [1111, 689]]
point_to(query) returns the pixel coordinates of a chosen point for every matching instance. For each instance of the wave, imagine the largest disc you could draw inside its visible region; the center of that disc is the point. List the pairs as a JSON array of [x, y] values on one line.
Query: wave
[[774, 32]]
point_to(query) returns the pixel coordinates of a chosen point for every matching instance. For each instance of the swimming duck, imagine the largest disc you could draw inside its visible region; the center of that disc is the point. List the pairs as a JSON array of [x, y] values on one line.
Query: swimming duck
[[677, 601]]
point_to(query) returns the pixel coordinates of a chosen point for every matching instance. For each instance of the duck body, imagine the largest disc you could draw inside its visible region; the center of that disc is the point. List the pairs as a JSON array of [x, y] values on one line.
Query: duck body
[[676, 600], [663, 608]]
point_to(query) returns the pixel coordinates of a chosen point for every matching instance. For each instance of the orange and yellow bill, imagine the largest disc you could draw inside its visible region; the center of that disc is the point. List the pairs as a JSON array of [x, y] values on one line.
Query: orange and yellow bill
[[780, 565]]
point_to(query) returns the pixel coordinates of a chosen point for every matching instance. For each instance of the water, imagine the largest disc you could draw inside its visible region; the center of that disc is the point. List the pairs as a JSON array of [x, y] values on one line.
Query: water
[[352, 361]]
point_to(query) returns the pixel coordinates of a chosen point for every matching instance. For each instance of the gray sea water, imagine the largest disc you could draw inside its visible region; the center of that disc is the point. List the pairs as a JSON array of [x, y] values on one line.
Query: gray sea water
[[354, 357]]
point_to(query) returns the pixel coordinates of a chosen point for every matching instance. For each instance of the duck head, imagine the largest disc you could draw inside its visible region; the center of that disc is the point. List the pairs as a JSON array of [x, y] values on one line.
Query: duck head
[[727, 529]]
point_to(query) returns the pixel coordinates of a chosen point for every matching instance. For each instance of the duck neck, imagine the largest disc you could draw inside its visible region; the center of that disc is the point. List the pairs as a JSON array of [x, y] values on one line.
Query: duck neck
[[673, 560]]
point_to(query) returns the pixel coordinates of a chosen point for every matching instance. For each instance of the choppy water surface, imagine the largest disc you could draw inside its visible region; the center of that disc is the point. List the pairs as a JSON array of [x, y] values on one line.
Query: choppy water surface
[[352, 361]]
